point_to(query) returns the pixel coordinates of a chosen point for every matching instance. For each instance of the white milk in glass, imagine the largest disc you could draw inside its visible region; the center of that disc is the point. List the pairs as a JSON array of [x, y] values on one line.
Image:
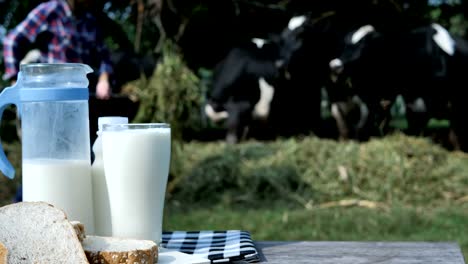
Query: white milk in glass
[[102, 217], [136, 163], [63, 183]]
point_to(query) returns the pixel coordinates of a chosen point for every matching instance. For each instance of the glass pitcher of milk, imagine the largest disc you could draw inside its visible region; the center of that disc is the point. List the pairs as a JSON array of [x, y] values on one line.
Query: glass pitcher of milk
[[52, 100]]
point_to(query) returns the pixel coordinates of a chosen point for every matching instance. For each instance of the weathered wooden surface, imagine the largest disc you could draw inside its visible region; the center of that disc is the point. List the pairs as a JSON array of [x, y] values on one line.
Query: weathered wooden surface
[[360, 252]]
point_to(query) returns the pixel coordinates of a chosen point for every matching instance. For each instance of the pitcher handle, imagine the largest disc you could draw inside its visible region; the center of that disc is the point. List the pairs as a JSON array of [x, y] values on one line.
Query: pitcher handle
[[9, 96]]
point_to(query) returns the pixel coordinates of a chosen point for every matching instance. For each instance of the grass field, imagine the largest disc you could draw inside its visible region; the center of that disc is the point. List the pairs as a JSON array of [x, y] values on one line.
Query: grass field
[[340, 223], [394, 189]]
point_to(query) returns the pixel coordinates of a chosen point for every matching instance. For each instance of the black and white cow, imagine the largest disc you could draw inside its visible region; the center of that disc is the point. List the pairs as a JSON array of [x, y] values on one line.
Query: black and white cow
[[423, 65], [316, 40], [242, 87], [294, 62], [265, 81]]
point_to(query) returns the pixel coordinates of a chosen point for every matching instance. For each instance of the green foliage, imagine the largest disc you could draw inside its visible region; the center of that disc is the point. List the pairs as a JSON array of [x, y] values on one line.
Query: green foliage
[[452, 18], [310, 171], [458, 25], [12, 12], [173, 95]]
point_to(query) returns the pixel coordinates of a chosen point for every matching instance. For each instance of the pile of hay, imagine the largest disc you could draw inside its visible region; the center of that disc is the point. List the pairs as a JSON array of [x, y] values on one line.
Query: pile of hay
[[311, 171]]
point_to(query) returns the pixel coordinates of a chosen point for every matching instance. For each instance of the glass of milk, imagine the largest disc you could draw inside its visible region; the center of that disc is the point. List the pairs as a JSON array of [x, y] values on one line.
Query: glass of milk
[[136, 164]]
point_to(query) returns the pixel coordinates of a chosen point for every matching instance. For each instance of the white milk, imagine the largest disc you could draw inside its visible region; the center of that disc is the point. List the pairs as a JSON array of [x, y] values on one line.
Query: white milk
[[102, 216], [63, 183], [136, 166]]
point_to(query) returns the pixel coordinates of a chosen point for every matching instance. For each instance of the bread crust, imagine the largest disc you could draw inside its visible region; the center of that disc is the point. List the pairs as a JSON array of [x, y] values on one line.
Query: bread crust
[[148, 256], [3, 254], [79, 229]]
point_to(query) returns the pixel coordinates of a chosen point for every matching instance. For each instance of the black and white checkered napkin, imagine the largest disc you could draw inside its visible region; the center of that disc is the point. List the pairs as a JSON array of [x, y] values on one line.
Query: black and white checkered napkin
[[217, 246]]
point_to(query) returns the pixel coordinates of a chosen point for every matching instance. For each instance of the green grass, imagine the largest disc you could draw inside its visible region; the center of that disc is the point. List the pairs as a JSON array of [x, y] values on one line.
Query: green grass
[[331, 224]]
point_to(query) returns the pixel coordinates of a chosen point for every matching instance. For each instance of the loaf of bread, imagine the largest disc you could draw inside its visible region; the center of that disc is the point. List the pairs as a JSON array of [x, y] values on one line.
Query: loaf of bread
[[112, 250], [3, 254], [37, 232]]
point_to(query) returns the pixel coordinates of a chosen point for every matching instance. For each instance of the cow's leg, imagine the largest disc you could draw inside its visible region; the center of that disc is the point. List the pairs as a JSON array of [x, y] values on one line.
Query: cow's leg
[[417, 115], [363, 120], [373, 127], [232, 126], [453, 140], [214, 115], [262, 107], [351, 118], [238, 121], [385, 116], [245, 118], [459, 124], [367, 123], [337, 114], [231, 138]]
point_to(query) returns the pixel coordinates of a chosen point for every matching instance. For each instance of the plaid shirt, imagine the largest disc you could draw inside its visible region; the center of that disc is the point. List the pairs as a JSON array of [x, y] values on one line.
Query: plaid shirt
[[71, 39]]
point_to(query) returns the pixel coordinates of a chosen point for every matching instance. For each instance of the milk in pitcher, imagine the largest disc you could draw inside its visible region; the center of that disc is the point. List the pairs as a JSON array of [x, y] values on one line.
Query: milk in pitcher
[[63, 183], [136, 163]]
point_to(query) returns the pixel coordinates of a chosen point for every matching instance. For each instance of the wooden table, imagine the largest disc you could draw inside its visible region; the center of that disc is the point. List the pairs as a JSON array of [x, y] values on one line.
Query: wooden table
[[360, 252]]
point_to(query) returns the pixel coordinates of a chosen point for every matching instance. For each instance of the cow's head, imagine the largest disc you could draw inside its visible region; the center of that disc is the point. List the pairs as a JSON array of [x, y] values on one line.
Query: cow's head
[[290, 40], [269, 49], [355, 48]]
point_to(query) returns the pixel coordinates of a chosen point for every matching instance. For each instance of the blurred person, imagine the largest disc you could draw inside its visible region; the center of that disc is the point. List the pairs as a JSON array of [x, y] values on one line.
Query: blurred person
[[62, 31]]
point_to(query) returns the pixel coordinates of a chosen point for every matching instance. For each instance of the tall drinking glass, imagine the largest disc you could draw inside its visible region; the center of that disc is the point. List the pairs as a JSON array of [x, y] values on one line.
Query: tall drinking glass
[[136, 164]]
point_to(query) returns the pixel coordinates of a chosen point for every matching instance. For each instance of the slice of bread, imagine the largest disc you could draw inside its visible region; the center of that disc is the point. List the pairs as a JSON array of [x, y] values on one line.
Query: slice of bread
[[114, 250], [37, 232], [79, 229], [3, 254]]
